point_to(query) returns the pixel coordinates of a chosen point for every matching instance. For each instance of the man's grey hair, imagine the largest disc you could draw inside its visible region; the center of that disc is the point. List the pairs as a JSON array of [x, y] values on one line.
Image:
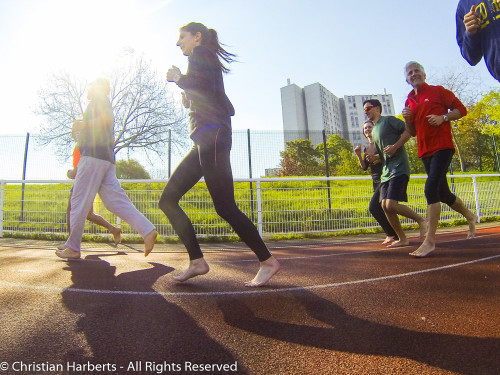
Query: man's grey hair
[[411, 63]]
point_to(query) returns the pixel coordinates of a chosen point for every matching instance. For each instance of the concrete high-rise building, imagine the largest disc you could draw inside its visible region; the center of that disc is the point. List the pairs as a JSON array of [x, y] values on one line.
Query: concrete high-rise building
[[310, 110], [295, 116]]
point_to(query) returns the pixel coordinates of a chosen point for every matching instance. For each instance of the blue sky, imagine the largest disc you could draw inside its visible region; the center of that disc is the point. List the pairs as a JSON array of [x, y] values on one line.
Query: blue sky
[[351, 47]]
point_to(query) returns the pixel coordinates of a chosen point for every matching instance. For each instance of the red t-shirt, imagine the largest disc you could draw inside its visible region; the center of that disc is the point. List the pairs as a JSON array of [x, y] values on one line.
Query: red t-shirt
[[433, 100], [76, 157]]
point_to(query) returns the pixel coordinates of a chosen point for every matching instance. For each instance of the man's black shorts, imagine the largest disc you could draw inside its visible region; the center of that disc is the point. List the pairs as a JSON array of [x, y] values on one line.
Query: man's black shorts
[[395, 188]]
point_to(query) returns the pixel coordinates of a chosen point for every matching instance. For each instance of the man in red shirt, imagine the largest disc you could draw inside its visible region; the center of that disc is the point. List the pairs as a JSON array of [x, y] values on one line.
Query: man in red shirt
[[428, 112]]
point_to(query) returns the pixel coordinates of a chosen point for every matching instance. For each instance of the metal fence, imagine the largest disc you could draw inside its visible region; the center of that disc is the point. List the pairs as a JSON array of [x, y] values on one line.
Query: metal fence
[[254, 154], [24, 157], [275, 205]]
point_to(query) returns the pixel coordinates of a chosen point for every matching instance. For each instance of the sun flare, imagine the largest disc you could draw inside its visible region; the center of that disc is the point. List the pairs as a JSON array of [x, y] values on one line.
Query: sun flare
[[82, 37]]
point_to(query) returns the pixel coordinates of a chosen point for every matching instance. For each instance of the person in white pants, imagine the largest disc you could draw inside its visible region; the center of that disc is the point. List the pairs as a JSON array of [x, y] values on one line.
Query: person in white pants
[[97, 174]]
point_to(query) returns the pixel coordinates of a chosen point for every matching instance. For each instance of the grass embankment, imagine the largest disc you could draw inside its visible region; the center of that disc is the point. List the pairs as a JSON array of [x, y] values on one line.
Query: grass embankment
[[290, 209]]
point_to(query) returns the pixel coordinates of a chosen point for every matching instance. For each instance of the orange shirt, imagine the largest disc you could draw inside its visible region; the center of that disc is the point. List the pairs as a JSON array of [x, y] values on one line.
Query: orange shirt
[[76, 157]]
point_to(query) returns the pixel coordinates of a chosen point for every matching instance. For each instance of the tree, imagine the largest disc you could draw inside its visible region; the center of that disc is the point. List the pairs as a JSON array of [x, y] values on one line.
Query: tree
[[131, 169], [349, 164], [143, 105], [488, 112], [335, 144], [466, 84], [476, 147], [300, 158], [416, 165], [462, 80], [473, 134]]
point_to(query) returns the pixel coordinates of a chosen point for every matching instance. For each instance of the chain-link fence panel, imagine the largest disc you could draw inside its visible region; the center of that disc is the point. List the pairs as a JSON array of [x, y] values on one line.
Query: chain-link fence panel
[[284, 206]]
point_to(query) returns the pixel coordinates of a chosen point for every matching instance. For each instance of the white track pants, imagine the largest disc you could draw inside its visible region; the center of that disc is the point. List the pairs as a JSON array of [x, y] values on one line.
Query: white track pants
[[99, 176]]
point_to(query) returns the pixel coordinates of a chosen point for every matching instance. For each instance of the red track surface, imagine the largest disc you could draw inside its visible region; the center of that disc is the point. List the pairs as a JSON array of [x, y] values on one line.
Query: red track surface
[[341, 307]]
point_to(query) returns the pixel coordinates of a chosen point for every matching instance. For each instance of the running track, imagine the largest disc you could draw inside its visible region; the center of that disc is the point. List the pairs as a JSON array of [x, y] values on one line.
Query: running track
[[343, 306]]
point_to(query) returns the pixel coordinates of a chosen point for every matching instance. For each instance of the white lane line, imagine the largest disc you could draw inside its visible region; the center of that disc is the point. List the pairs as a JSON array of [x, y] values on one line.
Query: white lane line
[[247, 292]]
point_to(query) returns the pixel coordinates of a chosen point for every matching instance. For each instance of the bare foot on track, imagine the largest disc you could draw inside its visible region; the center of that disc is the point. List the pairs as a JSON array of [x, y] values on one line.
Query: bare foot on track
[[196, 267], [267, 270], [425, 249], [472, 226], [388, 240], [399, 243], [149, 241], [117, 236]]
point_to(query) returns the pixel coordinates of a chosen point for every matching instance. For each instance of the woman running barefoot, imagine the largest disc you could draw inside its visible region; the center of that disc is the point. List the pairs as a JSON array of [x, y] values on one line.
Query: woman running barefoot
[[93, 217], [210, 119], [371, 159], [97, 174]]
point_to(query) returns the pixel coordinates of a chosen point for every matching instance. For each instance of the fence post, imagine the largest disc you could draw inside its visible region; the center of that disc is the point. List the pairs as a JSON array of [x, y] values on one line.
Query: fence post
[[452, 180], [250, 173], [24, 174], [495, 152], [476, 196], [2, 190], [259, 209], [169, 151], [327, 171]]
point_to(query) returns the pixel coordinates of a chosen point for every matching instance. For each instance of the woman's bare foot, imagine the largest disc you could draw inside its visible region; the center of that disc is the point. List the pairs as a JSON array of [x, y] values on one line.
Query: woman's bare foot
[[196, 267], [149, 241], [399, 243], [268, 269], [117, 235], [425, 249], [472, 226], [68, 253], [388, 240]]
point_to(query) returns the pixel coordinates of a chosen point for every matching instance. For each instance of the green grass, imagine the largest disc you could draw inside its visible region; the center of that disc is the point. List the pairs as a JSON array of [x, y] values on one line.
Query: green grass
[[290, 209]]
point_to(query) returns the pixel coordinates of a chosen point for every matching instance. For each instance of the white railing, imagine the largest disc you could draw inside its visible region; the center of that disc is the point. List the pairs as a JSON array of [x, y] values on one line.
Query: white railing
[[276, 205]]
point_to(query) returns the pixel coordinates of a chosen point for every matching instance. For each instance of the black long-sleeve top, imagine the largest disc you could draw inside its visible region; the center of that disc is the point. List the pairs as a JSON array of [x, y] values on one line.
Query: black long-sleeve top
[[375, 169], [204, 87]]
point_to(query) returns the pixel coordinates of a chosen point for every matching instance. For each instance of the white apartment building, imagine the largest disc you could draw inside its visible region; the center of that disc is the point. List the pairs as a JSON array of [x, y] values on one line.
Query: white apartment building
[[323, 112], [310, 110], [294, 112]]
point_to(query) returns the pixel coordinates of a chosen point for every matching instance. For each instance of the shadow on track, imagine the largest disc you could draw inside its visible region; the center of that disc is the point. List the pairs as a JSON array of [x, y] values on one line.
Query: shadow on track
[[347, 333], [126, 328]]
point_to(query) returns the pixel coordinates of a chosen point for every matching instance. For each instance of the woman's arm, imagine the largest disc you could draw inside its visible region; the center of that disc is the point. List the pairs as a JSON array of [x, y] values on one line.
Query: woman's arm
[[362, 162], [202, 72]]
